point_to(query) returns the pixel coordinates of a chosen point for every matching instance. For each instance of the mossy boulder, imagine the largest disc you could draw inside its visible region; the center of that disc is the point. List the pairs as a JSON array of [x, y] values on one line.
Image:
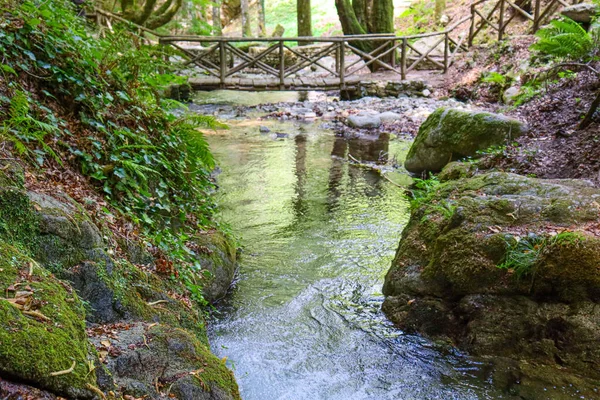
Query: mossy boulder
[[451, 134], [446, 282], [58, 273], [42, 329], [67, 235], [219, 258], [154, 359]]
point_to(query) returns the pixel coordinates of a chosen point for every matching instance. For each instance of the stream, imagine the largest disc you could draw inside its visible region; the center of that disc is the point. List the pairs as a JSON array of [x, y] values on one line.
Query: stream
[[318, 235]]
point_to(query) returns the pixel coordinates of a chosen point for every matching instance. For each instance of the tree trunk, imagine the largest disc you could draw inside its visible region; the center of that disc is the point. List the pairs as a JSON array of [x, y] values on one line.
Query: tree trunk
[[440, 7], [246, 29], [304, 18], [350, 23], [216, 17], [589, 116], [379, 18], [262, 25]]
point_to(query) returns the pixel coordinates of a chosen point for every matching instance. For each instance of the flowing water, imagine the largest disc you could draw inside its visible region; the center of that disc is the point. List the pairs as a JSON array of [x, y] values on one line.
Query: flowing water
[[318, 234]]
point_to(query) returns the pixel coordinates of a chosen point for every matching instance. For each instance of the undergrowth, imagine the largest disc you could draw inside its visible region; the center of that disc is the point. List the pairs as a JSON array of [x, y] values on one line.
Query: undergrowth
[[423, 190], [70, 97], [523, 254]]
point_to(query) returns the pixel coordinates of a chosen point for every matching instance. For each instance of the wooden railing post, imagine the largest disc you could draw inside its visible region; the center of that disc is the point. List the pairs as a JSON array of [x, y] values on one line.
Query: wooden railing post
[[281, 66], [472, 27], [342, 65], [446, 51], [223, 63], [501, 20], [403, 58], [337, 59]]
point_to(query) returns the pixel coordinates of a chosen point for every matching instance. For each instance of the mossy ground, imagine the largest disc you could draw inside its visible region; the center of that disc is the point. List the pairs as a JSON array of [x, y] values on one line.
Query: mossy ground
[[33, 348]]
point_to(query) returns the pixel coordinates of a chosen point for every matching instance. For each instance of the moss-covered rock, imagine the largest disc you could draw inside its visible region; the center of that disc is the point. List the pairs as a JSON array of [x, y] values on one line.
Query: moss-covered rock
[[542, 306], [219, 258], [67, 235], [158, 359], [58, 263], [42, 329], [452, 134]]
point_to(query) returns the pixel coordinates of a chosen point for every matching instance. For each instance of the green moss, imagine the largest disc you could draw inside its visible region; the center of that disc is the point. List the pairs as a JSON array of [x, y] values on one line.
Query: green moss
[[568, 268], [135, 288], [18, 223], [11, 174], [456, 170], [31, 348], [465, 263], [213, 371]]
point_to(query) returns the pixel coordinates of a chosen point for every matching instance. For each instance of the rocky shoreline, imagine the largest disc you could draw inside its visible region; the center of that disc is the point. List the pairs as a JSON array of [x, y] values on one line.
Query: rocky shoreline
[[87, 312], [501, 265]]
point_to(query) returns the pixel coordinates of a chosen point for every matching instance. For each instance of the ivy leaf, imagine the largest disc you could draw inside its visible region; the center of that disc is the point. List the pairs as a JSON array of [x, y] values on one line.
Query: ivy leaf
[[30, 55], [9, 69], [34, 22]]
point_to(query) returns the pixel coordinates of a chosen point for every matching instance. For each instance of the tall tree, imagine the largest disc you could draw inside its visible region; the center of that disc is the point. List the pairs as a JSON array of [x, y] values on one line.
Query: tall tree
[[150, 13], [262, 26], [359, 17], [304, 18], [216, 18], [246, 29]]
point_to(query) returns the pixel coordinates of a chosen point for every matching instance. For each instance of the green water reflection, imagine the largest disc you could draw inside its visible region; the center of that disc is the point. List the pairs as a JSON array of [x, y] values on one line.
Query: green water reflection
[[319, 235]]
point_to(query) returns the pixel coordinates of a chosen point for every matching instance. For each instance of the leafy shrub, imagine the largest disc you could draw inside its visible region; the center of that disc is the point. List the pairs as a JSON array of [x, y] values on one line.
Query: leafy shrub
[[566, 39], [423, 190], [68, 96]]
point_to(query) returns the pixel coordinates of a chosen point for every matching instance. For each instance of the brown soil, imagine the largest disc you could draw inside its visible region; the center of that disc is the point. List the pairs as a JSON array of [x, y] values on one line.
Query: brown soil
[[554, 148]]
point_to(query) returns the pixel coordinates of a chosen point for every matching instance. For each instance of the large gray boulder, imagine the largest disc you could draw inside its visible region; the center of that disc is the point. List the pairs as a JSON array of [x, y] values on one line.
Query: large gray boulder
[[503, 266], [364, 121], [583, 12], [452, 134]]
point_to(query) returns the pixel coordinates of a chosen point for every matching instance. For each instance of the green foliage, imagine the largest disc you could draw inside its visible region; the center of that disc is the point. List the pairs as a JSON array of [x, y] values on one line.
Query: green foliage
[[566, 39], [444, 208], [528, 92], [498, 82], [495, 78], [151, 166], [423, 190], [419, 17], [20, 127], [522, 254]]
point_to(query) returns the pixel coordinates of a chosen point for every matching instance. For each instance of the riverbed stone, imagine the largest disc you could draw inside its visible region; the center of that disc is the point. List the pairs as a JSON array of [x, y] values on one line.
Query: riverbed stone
[[219, 258], [447, 269], [509, 95], [151, 353], [42, 329], [582, 12], [451, 134], [364, 121], [389, 116]]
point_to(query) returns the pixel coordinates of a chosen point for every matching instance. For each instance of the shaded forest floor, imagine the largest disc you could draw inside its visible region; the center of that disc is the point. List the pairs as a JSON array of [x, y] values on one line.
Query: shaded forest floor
[[553, 148]]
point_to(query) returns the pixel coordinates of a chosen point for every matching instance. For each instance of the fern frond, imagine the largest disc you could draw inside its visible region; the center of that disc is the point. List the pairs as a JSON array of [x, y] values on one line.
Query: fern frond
[[196, 146], [201, 121], [138, 170], [564, 39]]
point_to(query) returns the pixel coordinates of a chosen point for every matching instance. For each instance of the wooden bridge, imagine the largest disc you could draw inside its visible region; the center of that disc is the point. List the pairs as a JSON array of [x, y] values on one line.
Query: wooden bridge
[[339, 62]]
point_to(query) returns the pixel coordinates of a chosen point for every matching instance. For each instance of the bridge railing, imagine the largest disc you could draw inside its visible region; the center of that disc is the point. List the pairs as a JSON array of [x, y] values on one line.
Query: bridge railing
[[224, 57], [498, 14]]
